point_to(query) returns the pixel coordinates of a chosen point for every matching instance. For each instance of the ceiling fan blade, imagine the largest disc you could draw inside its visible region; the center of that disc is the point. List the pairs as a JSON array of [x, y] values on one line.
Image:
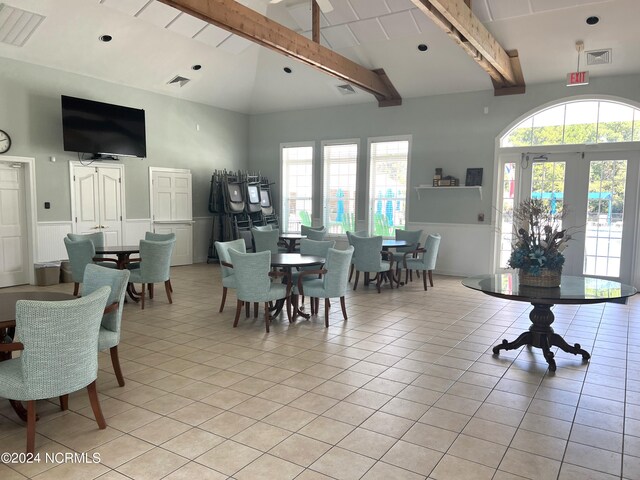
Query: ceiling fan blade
[[325, 5]]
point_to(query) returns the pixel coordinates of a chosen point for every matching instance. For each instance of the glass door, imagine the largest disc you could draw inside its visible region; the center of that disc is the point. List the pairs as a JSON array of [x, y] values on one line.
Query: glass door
[[597, 195]]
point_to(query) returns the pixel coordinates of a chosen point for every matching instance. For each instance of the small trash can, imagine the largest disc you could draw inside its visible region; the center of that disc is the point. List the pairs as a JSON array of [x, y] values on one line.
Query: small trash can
[[65, 272], [47, 273]]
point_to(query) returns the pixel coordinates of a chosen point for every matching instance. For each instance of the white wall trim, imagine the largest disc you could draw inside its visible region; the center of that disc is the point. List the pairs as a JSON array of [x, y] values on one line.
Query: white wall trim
[[51, 241]]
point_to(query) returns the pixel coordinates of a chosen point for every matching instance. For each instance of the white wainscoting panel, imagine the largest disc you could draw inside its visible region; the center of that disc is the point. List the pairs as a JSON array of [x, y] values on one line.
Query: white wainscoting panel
[[51, 241], [134, 230], [201, 236], [465, 249]]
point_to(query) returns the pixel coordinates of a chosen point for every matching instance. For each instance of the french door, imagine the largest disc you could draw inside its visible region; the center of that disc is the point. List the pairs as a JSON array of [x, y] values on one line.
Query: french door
[[97, 201], [598, 195]]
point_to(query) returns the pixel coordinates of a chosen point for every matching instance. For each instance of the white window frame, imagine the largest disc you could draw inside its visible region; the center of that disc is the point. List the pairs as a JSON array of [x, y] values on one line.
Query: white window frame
[[284, 222], [324, 143], [370, 207]]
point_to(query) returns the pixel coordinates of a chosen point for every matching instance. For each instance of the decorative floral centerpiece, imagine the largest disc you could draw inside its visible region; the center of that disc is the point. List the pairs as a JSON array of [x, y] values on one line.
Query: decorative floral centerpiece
[[538, 244]]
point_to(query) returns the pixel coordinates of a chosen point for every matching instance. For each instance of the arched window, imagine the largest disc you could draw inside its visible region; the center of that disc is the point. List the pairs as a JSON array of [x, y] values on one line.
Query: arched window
[[577, 122]]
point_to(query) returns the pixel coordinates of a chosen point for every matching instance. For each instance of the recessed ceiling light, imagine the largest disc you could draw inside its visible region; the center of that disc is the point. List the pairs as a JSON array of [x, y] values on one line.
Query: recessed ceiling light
[[592, 20], [287, 70], [422, 47], [105, 38], [196, 67]]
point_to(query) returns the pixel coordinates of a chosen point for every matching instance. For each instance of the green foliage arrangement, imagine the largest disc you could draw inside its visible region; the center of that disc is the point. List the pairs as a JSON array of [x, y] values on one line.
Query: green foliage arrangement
[[538, 238]]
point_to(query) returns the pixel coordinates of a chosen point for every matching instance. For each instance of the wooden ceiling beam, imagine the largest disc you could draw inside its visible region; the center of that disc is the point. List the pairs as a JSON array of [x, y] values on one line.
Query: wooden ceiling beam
[[458, 21], [247, 23]]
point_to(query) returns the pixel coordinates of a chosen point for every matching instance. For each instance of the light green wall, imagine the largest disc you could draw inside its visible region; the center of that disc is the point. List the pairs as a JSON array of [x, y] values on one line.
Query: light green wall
[[449, 131], [30, 113]]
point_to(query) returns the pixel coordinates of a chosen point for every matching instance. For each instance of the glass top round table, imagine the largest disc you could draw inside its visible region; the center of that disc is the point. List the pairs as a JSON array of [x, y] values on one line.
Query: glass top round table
[[572, 290]]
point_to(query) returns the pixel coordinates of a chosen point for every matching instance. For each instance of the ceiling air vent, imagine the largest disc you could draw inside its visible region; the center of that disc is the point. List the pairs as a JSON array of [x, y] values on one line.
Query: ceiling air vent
[[17, 26], [346, 89], [599, 57], [178, 80]]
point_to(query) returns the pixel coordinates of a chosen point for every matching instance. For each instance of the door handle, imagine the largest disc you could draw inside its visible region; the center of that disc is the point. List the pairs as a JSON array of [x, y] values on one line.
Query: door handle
[[96, 227], [102, 226]]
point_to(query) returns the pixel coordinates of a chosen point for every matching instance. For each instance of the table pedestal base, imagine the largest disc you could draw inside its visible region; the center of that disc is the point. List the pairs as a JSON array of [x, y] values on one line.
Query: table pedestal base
[[541, 335]]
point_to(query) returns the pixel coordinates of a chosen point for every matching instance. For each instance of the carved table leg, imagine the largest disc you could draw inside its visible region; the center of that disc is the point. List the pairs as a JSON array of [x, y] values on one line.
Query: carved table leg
[[541, 335]]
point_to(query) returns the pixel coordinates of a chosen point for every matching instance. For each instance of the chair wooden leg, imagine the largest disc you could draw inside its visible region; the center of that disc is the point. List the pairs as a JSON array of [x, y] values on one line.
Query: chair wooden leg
[[224, 298], [255, 309], [115, 361], [266, 316], [379, 281], [247, 309], [170, 286], [64, 402], [76, 287], [355, 284], [238, 310], [95, 405], [167, 288], [31, 426], [344, 308], [151, 292], [430, 278], [351, 268], [142, 295], [424, 279], [326, 312], [317, 300], [406, 276], [288, 301]]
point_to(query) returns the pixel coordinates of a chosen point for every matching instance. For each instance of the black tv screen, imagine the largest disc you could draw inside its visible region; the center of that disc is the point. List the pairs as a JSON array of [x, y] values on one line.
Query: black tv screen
[[102, 128]]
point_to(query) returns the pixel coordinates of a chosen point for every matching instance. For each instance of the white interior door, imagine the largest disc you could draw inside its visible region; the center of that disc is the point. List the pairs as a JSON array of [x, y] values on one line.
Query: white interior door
[[98, 201], [13, 254], [171, 210]]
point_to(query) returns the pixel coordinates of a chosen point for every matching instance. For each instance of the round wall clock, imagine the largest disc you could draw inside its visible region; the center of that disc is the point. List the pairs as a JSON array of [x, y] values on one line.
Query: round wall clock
[[5, 141]]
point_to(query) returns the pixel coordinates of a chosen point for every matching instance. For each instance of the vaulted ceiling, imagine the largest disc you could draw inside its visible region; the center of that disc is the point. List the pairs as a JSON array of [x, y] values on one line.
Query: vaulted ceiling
[[153, 43]]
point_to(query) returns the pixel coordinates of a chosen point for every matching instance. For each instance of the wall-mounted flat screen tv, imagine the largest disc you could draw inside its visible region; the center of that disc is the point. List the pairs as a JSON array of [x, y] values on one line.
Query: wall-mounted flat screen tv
[[102, 129]]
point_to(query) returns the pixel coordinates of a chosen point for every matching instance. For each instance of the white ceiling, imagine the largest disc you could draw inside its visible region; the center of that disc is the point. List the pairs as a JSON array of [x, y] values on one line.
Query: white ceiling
[[152, 43]]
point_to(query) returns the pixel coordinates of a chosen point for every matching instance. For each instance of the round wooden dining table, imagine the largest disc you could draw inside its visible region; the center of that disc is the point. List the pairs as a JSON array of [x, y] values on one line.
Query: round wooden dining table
[[8, 322], [288, 261]]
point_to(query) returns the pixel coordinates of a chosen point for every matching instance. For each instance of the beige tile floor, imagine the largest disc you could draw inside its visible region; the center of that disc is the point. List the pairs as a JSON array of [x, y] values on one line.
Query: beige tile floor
[[407, 388]]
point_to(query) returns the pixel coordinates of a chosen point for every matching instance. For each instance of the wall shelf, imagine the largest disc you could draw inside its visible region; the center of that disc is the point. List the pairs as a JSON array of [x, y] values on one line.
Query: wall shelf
[[478, 188]]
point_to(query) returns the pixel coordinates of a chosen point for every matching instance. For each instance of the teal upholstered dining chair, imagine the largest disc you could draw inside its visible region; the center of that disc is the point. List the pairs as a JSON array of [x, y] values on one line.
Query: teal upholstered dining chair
[[253, 282], [412, 237], [228, 276], [59, 343], [266, 240], [155, 267], [312, 247], [96, 277], [359, 233], [97, 238], [332, 284], [159, 237], [426, 261], [314, 233], [81, 253], [367, 257]]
